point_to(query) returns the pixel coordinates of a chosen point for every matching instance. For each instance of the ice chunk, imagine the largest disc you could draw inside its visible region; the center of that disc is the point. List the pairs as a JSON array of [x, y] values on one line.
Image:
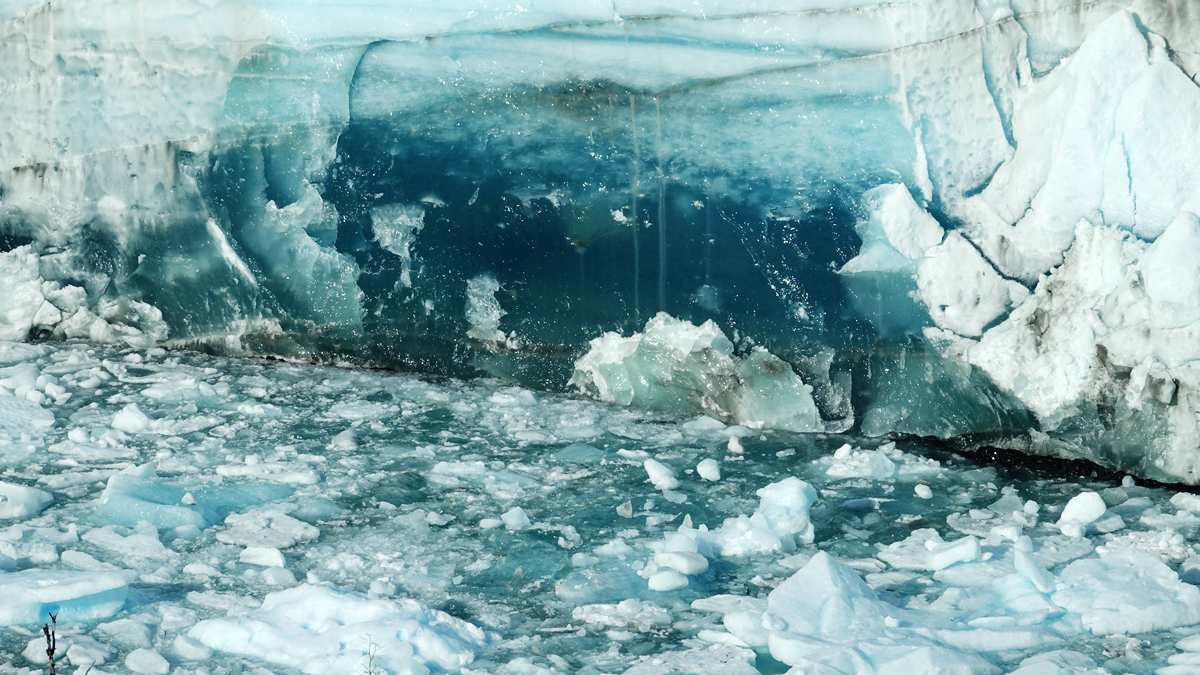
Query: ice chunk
[[667, 580], [131, 420], [1126, 592], [676, 365], [516, 519], [289, 473], [1057, 663], [686, 562], [138, 545], [709, 469], [580, 453], [319, 629], [266, 529], [22, 425], [85, 650], [260, 555], [712, 660], [1083, 507], [147, 662], [825, 619], [134, 496], [18, 501], [190, 650], [661, 475], [27, 596], [20, 278]]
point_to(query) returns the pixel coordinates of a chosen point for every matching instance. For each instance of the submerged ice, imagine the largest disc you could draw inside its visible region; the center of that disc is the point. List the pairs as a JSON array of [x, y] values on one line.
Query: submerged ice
[[189, 513]]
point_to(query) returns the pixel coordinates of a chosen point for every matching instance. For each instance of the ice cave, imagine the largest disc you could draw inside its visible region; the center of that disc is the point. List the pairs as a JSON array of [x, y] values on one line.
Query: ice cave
[[642, 337]]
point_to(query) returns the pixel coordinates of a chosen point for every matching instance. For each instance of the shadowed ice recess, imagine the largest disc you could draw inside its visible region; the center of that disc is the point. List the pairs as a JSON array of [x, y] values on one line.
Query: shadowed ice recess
[[623, 238]]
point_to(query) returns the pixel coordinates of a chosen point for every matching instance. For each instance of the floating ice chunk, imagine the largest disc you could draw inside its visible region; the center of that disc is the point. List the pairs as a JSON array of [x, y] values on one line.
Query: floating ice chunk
[[778, 524], [735, 445], [1030, 569], [516, 519], [269, 529], [1083, 507], [716, 659], [676, 365], [667, 580], [925, 550], [862, 464], [683, 561], [281, 576], [580, 453], [922, 491], [361, 410], [630, 613], [131, 420], [138, 494], [617, 548], [1057, 663], [147, 662], [261, 555], [824, 618], [18, 501], [709, 469], [703, 424], [190, 650], [1126, 592], [85, 650], [785, 505], [319, 629], [289, 473], [950, 553], [27, 596], [139, 545], [661, 475]]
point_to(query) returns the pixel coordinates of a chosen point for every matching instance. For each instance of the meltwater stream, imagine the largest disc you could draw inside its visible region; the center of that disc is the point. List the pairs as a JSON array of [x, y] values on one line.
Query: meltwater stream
[[195, 514]]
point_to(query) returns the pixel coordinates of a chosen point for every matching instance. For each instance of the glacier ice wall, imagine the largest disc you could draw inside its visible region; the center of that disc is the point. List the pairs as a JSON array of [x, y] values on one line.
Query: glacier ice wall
[[959, 219]]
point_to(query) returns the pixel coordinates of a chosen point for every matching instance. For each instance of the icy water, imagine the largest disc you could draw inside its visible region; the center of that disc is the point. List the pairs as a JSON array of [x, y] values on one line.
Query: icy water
[[531, 516]]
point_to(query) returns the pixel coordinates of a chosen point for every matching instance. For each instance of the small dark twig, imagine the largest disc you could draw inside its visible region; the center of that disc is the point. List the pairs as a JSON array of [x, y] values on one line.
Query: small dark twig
[[51, 640]]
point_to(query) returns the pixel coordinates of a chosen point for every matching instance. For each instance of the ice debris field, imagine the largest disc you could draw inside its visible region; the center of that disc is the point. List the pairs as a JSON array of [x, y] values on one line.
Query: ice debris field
[[195, 514]]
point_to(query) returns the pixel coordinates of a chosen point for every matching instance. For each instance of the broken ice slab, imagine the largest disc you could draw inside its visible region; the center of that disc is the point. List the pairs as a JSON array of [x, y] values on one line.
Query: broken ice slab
[[28, 597], [140, 495]]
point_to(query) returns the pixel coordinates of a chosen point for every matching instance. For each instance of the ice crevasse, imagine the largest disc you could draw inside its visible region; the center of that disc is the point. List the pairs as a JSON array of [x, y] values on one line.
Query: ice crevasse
[[970, 220]]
